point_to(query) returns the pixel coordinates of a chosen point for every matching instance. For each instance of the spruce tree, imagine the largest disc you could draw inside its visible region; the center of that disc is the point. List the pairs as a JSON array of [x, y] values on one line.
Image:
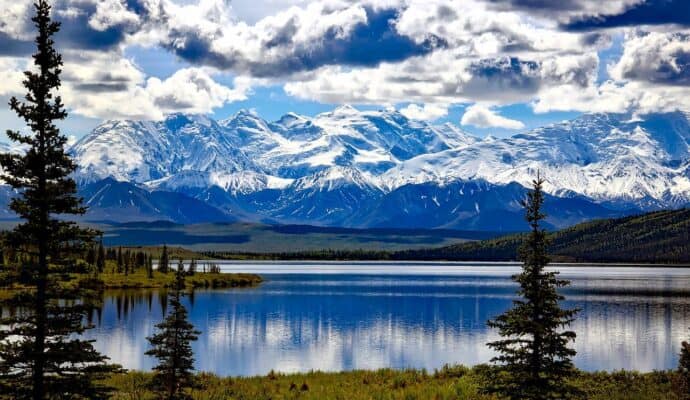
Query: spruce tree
[[684, 370], [163, 263], [41, 353], [120, 260], [91, 256], [149, 267], [534, 360], [171, 345], [100, 258]]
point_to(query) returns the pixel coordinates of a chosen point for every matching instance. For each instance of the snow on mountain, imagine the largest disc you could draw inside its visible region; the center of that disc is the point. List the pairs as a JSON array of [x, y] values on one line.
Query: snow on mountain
[[378, 168], [141, 151], [472, 205], [604, 157], [328, 197], [111, 200], [241, 182], [290, 148]]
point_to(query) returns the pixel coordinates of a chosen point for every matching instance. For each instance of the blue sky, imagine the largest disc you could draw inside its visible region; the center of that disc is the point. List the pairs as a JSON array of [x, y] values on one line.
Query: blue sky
[[492, 66]]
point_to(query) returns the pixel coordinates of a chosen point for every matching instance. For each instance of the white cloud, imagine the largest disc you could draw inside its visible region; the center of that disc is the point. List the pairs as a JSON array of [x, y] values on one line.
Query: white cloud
[[445, 77], [493, 53], [111, 13], [483, 117], [105, 85], [193, 90], [11, 76], [658, 57], [427, 112]]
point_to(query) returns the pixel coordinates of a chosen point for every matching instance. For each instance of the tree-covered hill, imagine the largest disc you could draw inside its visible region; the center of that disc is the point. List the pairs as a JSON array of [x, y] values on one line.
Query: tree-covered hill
[[658, 237]]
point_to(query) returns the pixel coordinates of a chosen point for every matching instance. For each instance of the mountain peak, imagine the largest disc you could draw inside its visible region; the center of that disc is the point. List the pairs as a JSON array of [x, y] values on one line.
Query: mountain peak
[[176, 121], [244, 118], [291, 119], [345, 109], [246, 112]]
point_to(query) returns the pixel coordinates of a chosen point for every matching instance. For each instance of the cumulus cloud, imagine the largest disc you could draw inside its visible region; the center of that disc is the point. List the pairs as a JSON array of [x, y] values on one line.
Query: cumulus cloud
[[660, 58], [565, 9], [190, 90], [651, 75], [635, 13], [11, 76], [292, 41], [193, 90], [426, 112], [483, 117], [425, 54], [446, 78], [86, 24]]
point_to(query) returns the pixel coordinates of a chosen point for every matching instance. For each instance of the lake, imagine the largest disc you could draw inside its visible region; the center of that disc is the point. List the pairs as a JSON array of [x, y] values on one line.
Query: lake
[[341, 316]]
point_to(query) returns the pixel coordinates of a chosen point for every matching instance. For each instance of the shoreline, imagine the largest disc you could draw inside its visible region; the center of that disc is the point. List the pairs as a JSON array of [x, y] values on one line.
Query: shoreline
[[448, 382], [432, 262]]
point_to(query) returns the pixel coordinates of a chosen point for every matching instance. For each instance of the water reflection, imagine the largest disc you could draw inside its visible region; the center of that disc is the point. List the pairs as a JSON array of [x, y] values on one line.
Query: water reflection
[[299, 322]]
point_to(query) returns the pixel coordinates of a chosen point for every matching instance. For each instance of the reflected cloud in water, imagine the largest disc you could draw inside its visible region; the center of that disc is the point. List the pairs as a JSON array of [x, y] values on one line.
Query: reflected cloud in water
[[300, 322]]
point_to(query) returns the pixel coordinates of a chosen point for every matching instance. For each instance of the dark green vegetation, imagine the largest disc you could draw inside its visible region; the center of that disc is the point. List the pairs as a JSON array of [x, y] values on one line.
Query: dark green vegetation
[[139, 279], [456, 383], [132, 268], [171, 345], [256, 238], [40, 358], [684, 370], [657, 237], [534, 360]]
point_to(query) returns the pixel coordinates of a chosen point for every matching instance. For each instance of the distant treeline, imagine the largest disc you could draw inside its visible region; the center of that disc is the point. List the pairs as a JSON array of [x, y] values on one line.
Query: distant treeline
[[657, 237]]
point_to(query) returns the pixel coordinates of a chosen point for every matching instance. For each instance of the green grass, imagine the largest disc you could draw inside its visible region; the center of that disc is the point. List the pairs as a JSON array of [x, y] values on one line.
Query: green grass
[[456, 382], [139, 280]]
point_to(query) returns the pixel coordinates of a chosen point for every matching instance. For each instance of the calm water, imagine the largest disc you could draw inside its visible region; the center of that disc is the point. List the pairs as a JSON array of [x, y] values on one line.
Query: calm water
[[339, 316]]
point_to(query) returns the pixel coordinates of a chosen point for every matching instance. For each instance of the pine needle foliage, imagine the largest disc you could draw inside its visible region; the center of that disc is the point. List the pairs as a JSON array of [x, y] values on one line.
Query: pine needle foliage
[[534, 359], [684, 371], [41, 353], [171, 345]]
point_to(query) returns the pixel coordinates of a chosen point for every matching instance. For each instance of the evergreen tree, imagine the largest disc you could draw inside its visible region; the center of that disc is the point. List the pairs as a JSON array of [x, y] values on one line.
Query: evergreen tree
[[41, 355], [91, 256], [100, 258], [140, 259], [120, 260], [149, 267], [171, 345], [192, 267], [163, 262], [534, 360], [684, 370]]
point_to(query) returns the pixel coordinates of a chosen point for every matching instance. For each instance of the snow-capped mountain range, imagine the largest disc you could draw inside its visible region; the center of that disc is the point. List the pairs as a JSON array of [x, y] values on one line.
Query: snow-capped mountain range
[[378, 168]]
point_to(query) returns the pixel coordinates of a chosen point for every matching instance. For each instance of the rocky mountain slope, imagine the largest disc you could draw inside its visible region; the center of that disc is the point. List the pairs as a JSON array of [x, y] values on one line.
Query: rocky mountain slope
[[380, 169]]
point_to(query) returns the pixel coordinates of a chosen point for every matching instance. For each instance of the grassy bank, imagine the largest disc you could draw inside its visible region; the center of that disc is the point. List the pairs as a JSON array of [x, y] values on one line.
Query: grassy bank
[[139, 280], [448, 383]]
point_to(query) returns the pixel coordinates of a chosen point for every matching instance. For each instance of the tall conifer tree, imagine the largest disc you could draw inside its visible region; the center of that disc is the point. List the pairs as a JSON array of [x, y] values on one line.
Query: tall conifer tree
[[41, 355], [163, 263], [534, 361], [149, 267], [100, 259], [684, 370], [171, 345]]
